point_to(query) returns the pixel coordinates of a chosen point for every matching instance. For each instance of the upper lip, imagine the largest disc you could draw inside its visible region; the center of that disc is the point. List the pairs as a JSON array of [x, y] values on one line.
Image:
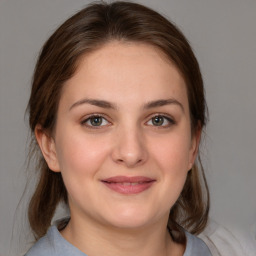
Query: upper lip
[[126, 179]]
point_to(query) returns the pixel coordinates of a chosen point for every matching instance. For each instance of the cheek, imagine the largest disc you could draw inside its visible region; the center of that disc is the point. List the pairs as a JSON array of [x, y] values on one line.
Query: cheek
[[171, 158], [80, 155], [80, 160], [172, 153]]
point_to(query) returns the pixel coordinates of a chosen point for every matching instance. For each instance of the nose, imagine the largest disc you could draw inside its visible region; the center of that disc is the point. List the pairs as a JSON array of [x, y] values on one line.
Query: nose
[[130, 148]]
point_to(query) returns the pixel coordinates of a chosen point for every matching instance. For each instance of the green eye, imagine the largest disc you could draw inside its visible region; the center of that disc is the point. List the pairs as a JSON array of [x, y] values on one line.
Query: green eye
[[95, 121], [161, 121], [158, 120]]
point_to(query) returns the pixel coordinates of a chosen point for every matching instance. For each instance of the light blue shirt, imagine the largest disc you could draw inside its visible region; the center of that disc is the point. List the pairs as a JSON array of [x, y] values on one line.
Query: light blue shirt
[[53, 244]]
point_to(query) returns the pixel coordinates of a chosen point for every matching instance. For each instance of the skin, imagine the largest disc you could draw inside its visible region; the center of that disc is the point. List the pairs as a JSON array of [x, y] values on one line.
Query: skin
[[128, 76]]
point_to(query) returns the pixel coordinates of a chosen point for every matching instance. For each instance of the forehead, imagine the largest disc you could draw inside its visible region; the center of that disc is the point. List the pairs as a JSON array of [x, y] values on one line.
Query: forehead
[[130, 69], [125, 51]]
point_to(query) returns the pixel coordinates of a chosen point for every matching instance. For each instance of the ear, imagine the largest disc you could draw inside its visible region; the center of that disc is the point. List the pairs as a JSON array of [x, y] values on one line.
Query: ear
[[48, 149], [195, 141]]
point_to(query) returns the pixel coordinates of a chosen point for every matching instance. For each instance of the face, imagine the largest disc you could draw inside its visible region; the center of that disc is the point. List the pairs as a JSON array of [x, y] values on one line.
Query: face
[[122, 140]]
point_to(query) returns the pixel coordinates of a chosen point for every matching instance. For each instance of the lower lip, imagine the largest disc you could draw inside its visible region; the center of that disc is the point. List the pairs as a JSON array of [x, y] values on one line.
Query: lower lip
[[129, 189]]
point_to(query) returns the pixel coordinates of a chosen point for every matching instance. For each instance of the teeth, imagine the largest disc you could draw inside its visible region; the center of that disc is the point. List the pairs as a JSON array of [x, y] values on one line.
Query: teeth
[[127, 183], [130, 183]]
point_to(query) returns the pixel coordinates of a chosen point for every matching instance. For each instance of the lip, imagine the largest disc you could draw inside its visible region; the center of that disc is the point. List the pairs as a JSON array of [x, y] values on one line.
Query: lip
[[128, 185]]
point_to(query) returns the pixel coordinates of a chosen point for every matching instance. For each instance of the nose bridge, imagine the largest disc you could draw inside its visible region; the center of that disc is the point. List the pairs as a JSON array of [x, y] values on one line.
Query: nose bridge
[[130, 147]]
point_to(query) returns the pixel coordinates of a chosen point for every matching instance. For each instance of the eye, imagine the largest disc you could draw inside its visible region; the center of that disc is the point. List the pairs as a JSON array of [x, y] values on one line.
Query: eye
[[95, 121], [161, 120]]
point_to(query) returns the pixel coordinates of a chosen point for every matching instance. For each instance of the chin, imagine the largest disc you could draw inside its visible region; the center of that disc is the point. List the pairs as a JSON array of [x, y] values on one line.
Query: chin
[[130, 219], [130, 223]]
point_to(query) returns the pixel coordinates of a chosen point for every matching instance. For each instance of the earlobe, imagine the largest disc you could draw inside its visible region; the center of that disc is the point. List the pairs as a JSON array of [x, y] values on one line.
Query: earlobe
[[48, 149]]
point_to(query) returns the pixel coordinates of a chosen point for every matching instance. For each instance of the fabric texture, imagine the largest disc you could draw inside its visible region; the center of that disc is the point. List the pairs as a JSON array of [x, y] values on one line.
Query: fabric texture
[[221, 241], [53, 244]]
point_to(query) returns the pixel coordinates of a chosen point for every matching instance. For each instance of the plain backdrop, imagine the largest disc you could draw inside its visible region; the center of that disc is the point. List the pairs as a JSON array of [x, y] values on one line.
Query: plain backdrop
[[223, 36]]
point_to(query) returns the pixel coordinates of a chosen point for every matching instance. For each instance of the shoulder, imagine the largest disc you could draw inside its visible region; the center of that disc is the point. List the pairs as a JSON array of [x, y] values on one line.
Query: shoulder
[[53, 244], [44, 246], [196, 246], [222, 241]]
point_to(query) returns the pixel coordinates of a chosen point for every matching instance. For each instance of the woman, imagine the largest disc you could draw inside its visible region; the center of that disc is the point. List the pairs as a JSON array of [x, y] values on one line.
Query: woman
[[117, 108]]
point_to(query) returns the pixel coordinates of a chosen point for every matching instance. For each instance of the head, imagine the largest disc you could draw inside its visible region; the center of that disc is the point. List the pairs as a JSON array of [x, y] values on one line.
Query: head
[[85, 33]]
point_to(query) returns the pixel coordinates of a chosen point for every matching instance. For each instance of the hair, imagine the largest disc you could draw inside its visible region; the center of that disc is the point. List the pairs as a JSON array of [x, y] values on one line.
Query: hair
[[87, 31]]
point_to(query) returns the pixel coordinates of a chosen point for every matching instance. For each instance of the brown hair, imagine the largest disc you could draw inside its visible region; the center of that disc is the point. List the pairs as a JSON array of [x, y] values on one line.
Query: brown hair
[[87, 31]]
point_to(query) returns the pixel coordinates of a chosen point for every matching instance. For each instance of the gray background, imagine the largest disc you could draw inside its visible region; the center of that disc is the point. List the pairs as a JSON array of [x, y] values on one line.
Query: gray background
[[222, 33]]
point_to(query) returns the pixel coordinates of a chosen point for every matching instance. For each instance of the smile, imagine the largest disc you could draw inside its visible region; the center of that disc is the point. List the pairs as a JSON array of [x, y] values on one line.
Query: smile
[[128, 185]]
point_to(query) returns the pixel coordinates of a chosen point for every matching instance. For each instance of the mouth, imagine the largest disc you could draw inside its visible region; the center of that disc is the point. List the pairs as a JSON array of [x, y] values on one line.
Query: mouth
[[128, 185]]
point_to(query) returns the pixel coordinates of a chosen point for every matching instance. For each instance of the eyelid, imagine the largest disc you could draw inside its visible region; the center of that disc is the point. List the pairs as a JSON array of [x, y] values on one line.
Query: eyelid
[[87, 117], [168, 117]]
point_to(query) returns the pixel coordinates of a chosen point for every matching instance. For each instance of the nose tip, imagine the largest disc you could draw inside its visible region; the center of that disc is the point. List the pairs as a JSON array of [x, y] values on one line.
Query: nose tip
[[129, 160], [130, 150]]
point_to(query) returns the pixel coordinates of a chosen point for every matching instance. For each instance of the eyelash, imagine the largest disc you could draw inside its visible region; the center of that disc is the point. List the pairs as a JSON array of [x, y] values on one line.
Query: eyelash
[[165, 117], [90, 118]]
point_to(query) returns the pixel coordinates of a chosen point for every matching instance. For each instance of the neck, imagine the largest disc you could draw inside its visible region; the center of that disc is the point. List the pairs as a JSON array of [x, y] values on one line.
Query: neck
[[95, 239]]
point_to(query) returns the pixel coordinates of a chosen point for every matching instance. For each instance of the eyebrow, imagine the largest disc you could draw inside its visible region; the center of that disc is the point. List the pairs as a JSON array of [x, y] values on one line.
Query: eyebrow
[[95, 102], [163, 102], [109, 105]]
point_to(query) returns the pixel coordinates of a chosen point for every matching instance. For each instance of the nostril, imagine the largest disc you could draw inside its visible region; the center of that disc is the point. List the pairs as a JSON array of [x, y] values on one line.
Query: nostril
[[129, 150]]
